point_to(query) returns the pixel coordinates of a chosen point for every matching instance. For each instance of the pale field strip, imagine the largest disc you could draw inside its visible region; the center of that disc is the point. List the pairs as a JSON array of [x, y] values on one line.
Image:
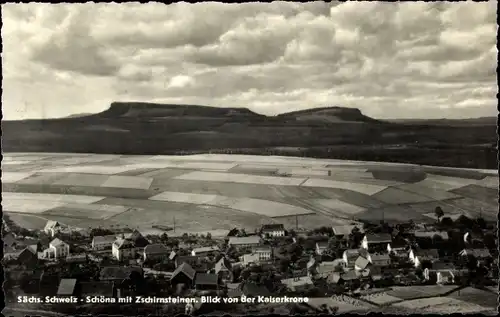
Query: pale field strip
[[434, 184], [43, 178], [13, 177], [433, 193], [489, 181], [338, 205], [74, 179], [441, 305], [258, 206], [83, 160], [133, 182], [453, 182], [95, 211], [183, 165], [257, 167], [78, 199], [381, 298], [24, 158], [15, 162], [345, 305], [29, 206], [303, 172], [240, 178], [91, 169], [366, 189]]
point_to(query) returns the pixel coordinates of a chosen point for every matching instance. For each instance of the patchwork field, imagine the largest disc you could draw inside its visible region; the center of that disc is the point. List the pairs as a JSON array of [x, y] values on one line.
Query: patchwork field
[[215, 192]]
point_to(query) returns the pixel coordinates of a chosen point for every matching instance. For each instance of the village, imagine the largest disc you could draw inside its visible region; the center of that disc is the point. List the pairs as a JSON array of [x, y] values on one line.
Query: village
[[349, 260]]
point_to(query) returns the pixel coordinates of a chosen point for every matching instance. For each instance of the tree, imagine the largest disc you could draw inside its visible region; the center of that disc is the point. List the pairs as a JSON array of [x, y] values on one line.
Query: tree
[[438, 211], [209, 236]]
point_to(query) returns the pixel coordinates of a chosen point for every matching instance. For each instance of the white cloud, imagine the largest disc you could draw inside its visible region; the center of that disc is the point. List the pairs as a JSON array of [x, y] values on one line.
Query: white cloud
[[411, 59]]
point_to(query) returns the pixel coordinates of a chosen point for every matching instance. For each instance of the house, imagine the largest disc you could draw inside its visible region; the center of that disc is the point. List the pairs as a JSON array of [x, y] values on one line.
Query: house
[[77, 258], [264, 252], [57, 249], [350, 256], [343, 232], [380, 259], [361, 263], [67, 287], [206, 281], [223, 270], [342, 278], [100, 243], [118, 273], [123, 249], [417, 257], [296, 284], [205, 251], [272, 230], [430, 235], [398, 248], [52, 227], [184, 274], [371, 240], [243, 242], [479, 254], [248, 259], [97, 288], [325, 268], [9, 241], [155, 251], [321, 247], [375, 273], [172, 255], [189, 259], [251, 289], [27, 257], [234, 290]]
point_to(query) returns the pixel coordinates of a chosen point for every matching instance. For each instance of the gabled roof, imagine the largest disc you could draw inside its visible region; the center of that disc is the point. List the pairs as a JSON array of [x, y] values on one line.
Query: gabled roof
[[344, 230], [57, 242], [273, 227], [206, 249], [66, 287], [437, 266], [431, 234], [206, 279], [121, 244], [378, 257], [362, 263], [96, 288], [117, 272], [251, 289], [222, 264], [427, 253], [186, 269], [51, 224], [446, 273], [190, 259], [297, 281], [378, 238], [104, 239], [478, 253], [244, 240], [154, 249], [322, 244], [9, 239]]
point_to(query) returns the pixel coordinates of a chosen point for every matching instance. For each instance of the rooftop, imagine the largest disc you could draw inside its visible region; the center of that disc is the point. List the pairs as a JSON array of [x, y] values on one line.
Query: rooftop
[[206, 279], [66, 287]]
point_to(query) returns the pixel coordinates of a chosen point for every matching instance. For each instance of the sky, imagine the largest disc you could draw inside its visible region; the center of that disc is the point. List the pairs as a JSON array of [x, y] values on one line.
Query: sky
[[390, 60]]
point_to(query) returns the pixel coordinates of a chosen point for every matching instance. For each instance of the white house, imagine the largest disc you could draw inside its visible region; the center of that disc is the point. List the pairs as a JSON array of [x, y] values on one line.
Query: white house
[[57, 249], [321, 247], [204, 251], [297, 283], [417, 257], [52, 227], [273, 230], [248, 259], [103, 242], [263, 252], [443, 276], [123, 249], [375, 239]]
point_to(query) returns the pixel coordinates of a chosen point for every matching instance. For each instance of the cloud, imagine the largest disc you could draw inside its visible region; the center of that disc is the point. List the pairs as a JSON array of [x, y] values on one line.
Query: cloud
[[408, 59]]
